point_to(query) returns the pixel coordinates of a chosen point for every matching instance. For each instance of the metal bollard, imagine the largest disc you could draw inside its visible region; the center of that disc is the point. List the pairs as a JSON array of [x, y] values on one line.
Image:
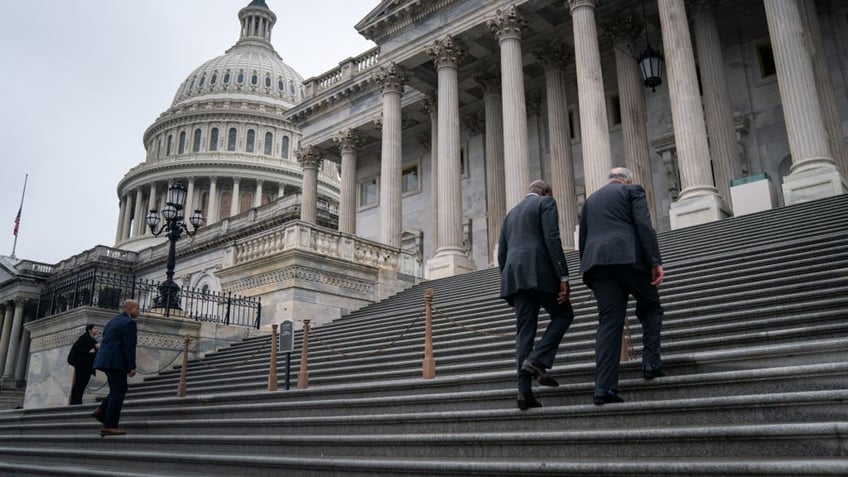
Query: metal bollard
[[181, 389], [303, 373], [429, 364], [272, 369]]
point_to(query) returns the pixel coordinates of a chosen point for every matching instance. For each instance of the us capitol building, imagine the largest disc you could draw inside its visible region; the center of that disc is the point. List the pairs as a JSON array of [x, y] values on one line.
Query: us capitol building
[[326, 194]]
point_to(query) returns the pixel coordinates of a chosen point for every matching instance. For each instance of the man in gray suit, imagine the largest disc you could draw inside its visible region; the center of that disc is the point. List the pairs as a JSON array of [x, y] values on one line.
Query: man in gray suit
[[619, 257], [533, 275]]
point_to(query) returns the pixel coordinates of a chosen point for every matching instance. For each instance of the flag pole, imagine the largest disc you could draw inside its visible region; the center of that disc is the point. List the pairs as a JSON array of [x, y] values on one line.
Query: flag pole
[[18, 218]]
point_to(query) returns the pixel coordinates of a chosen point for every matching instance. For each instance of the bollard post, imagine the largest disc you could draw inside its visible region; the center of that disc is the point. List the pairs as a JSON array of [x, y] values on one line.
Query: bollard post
[[429, 365], [181, 389], [303, 374], [272, 369], [626, 344]]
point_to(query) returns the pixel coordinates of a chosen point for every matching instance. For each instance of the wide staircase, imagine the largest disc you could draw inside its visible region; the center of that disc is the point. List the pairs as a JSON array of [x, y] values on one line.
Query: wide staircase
[[755, 343]]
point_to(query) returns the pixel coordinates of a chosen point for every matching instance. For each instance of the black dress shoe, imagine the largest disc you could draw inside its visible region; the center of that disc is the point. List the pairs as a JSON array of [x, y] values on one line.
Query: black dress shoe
[[538, 372], [526, 401], [608, 397], [651, 371]]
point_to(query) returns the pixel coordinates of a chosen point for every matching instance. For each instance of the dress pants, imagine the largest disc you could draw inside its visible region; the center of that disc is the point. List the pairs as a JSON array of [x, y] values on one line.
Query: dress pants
[[81, 378], [612, 285], [115, 400], [527, 304]]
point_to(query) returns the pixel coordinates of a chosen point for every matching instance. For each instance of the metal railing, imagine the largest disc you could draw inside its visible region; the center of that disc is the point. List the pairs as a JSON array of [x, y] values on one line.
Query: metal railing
[[107, 290]]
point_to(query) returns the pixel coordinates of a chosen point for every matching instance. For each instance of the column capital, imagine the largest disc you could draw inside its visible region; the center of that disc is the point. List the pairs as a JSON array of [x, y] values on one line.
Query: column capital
[[347, 140], [259, 181], [431, 105], [391, 78], [447, 52], [19, 301], [213, 179], [556, 54], [490, 82], [507, 24], [534, 102], [623, 28], [378, 121], [236, 179], [575, 4], [309, 157]]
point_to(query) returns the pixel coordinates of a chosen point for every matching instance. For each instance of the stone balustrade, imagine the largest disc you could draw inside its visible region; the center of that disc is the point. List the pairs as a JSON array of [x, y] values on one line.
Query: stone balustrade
[[348, 69]]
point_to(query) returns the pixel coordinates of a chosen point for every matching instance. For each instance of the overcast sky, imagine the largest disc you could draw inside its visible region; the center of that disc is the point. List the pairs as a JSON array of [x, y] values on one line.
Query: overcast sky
[[80, 81]]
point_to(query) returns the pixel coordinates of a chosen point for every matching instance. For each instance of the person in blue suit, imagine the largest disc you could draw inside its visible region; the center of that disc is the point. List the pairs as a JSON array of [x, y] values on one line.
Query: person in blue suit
[[116, 358], [619, 257]]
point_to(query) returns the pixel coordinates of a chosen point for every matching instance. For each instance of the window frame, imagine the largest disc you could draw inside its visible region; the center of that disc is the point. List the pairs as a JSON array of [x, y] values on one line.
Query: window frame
[[375, 179]]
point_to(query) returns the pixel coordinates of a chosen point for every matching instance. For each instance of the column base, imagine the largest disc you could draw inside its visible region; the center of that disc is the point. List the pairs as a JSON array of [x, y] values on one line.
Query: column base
[[812, 184], [700, 209], [447, 264]]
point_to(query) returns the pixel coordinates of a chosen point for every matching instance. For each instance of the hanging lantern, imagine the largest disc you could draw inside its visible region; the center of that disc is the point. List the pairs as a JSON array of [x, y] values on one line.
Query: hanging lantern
[[651, 63]]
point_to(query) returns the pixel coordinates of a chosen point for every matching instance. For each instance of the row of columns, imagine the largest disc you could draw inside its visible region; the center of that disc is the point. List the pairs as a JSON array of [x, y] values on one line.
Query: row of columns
[[14, 341], [506, 123]]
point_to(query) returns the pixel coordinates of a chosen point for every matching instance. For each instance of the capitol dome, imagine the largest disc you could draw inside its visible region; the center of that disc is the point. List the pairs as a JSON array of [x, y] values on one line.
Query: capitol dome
[[250, 70]]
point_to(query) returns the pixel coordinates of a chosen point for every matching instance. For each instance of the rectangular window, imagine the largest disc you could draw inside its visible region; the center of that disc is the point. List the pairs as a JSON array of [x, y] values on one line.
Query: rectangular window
[[231, 140], [765, 58], [251, 140], [410, 180], [368, 193], [213, 140]]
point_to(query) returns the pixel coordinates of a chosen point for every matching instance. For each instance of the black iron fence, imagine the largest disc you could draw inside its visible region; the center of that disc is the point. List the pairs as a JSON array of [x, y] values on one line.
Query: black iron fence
[[107, 290]]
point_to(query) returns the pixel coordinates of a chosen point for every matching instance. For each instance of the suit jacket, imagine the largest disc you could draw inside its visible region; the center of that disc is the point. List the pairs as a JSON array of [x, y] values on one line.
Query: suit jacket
[[117, 348], [80, 355], [615, 229], [530, 253]]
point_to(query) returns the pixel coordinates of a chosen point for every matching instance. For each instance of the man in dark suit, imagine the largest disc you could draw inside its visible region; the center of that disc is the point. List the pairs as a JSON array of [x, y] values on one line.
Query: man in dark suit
[[619, 257], [81, 358], [533, 275], [116, 358]]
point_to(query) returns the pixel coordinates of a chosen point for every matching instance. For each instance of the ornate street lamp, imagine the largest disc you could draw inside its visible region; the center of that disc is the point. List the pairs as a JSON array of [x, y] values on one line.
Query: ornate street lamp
[[651, 61], [175, 225]]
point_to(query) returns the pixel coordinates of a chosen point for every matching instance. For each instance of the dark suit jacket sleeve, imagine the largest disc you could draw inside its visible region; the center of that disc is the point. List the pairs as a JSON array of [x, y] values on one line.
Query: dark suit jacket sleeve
[[581, 232], [550, 229], [502, 248], [647, 238], [129, 343]]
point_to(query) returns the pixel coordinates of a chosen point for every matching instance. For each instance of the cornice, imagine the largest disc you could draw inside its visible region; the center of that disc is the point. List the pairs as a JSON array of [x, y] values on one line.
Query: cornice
[[396, 19]]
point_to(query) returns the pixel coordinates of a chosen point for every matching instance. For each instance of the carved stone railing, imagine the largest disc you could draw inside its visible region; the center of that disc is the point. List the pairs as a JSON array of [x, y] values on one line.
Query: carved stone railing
[[96, 255], [347, 69], [329, 243], [28, 266]]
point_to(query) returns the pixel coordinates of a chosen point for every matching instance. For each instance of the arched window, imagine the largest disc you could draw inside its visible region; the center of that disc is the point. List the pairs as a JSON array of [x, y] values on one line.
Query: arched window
[[285, 148], [196, 146], [269, 142], [213, 140], [192, 83], [245, 201], [267, 81], [204, 204], [251, 140], [182, 143], [170, 143], [226, 203], [291, 87], [159, 148], [240, 77], [231, 140], [202, 80], [214, 78], [227, 77], [266, 199], [254, 80], [281, 85]]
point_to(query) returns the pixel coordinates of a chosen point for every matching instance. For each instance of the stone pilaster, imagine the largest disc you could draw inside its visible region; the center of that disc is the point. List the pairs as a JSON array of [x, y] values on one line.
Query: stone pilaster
[[14, 341], [594, 127], [7, 331], [391, 79], [348, 141], [555, 56], [495, 176], [432, 108], [126, 220], [624, 32], [257, 196], [138, 215], [813, 174], [234, 200], [507, 26], [310, 158], [698, 200], [450, 258], [719, 116]]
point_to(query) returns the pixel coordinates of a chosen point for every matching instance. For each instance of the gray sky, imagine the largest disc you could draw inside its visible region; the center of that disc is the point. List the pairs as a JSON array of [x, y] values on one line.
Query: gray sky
[[82, 79]]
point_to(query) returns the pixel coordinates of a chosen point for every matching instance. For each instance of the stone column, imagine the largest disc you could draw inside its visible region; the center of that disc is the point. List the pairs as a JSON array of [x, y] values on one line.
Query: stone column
[[138, 224], [120, 226], [624, 31], [432, 109], [189, 207], [127, 219], [813, 174], [824, 86], [698, 201], [348, 141], [213, 200], [594, 127], [257, 196], [310, 159], [507, 26], [391, 78], [14, 340], [7, 331], [495, 176], [281, 190], [151, 204], [23, 357], [450, 258], [719, 116], [234, 200], [555, 56]]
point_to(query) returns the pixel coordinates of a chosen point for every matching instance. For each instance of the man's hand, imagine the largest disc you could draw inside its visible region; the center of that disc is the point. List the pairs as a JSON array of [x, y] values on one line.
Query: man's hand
[[657, 274], [131, 373], [564, 292]]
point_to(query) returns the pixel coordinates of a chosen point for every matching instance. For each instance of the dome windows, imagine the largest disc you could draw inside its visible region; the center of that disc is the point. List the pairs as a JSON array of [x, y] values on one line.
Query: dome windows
[[202, 80], [291, 87], [214, 80], [254, 79], [285, 148], [231, 140], [267, 81], [269, 141], [240, 77], [213, 140], [181, 149], [281, 85], [227, 77], [196, 146], [170, 144], [251, 141]]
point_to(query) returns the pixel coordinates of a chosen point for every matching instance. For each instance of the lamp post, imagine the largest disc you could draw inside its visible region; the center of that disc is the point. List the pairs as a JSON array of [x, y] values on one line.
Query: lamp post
[[175, 225]]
